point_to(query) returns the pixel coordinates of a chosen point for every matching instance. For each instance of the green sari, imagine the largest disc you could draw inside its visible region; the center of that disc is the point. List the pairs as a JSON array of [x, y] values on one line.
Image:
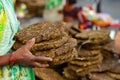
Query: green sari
[[8, 27]]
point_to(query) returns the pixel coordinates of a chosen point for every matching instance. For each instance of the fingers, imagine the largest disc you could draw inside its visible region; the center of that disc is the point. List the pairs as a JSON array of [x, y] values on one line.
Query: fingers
[[39, 61], [30, 44], [41, 58], [36, 64]]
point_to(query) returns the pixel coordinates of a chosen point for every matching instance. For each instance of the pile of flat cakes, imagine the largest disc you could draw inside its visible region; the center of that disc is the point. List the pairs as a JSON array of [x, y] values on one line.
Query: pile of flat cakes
[[51, 40], [91, 58], [35, 7], [109, 51], [47, 74], [73, 31], [110, 72], [115, 72], [94, 38], [110, 68]]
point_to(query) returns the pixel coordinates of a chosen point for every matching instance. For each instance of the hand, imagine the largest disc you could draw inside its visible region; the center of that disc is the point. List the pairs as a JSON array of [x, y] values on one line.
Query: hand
[[117, 41], [24, 57]]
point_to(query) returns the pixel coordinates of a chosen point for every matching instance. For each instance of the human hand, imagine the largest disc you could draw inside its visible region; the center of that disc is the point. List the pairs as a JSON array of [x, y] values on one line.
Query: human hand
[[24, 57], [117, 41]]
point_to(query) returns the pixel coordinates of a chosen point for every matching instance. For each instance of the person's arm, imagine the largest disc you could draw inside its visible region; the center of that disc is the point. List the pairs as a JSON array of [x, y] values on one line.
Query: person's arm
[[117, 41], [4, 60], [24, 57]]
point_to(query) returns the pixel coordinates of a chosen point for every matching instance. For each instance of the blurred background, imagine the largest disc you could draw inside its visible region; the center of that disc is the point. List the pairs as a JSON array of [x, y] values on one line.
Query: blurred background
[[94, 14], [108, 6]]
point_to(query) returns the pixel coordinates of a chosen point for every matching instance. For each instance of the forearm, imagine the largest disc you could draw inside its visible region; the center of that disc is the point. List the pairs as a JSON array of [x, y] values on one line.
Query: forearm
[[4, 60], [117, 41]]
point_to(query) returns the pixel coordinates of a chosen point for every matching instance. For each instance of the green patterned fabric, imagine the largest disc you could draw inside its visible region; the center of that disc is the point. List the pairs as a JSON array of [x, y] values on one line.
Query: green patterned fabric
[[8, 27]]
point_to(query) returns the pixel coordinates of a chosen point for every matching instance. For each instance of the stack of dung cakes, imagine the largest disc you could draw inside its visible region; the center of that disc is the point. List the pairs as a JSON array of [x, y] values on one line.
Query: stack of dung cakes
[[35, 7], [93, 38], [47, 74], [85, 63], [93, 72], [114, 72], [111, 72], [109, 51], [90, 58], [51, 40]]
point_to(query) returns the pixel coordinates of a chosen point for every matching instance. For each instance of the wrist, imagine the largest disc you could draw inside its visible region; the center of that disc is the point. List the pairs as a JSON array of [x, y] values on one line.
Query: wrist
[[11, 59]]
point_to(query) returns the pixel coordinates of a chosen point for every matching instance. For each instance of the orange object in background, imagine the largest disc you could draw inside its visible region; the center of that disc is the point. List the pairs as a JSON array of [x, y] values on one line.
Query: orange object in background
[[84, 26], [100, 23], [81, 27]]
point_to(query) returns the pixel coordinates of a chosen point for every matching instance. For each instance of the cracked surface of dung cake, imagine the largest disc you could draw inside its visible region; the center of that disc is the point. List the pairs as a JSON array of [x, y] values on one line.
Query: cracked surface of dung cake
[[71, 43], [64, 57], [46, 44], [41, 32]]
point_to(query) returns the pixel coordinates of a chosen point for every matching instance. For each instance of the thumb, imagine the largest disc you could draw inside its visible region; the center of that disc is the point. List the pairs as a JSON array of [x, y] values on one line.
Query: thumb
[[30, 44]]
